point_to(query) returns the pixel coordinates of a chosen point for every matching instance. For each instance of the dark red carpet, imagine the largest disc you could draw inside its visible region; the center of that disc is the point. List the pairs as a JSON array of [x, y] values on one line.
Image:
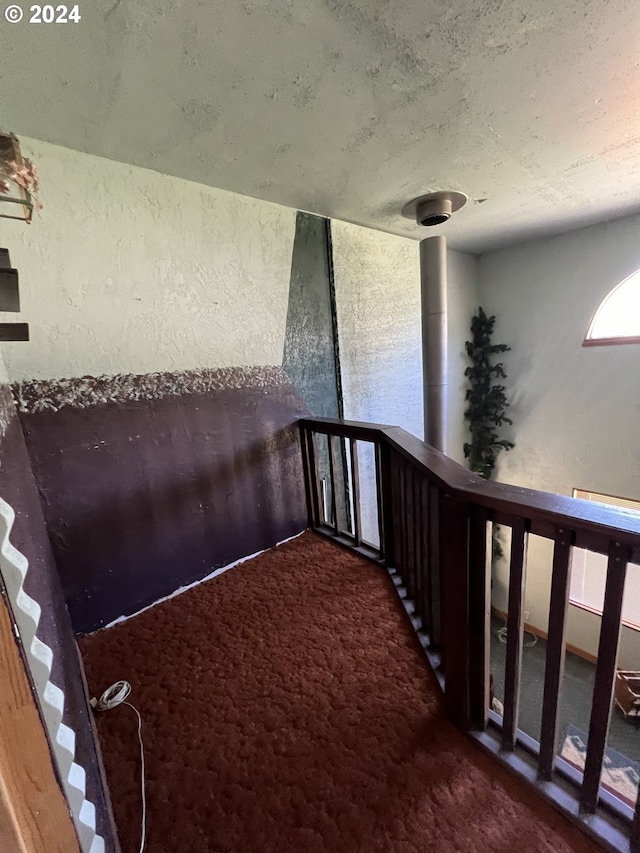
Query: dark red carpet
[[287, 708]]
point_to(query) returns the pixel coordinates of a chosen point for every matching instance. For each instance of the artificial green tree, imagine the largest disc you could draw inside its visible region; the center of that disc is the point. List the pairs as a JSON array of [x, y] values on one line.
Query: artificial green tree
[[487, 401]]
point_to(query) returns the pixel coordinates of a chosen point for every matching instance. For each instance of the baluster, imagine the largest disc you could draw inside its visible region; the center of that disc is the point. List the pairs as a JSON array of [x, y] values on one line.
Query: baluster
[[479, 616], [455, 609], [410, 511], [435, 569], [306, 473], [333, 521], [424, 520], [513, 663], [355, 491], [380, 500], [314, 479], [396, 489], [554, 666], [388, 508], [337, 492], [605, 674], [417, 548], [403, 518]]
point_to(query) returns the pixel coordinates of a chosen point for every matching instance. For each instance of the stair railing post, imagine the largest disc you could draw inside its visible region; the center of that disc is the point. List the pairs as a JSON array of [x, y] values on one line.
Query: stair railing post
[[385, 497], [454, 585]]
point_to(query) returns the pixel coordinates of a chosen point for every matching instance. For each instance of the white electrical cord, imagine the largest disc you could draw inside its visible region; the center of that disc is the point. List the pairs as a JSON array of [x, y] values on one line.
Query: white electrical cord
[[529, 639], [111, 698]]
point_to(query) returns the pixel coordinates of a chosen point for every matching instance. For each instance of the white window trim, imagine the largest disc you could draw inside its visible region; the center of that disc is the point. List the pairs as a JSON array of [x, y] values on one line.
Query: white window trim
[[589, 570], [593, 338]]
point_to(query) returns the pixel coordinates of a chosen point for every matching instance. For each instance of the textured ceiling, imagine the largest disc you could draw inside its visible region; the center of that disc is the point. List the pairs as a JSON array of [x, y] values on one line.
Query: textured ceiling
[[349, 108]]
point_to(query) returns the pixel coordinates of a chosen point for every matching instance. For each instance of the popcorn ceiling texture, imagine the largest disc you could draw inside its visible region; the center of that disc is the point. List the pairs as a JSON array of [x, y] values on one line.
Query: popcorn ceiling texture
[[350, 108], [40, 395], [287, 708]]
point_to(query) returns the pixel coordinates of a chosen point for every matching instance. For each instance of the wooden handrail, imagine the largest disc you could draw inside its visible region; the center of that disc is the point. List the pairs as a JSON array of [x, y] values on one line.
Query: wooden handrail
[[594, 524], [433, 520]]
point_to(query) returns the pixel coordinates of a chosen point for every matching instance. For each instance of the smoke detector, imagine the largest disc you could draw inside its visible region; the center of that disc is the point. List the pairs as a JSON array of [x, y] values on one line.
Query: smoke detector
[[434, 208]]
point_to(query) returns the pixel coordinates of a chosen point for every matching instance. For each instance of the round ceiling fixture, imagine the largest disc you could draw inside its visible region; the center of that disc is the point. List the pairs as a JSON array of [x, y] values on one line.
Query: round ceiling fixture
[[434, 208]]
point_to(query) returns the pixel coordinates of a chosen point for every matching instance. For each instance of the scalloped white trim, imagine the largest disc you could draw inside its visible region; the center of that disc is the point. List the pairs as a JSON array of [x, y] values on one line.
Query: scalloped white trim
[[26, 611]]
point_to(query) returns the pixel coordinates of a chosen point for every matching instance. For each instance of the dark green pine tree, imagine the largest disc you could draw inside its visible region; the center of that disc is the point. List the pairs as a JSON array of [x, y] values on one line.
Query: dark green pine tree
[[486, 400]]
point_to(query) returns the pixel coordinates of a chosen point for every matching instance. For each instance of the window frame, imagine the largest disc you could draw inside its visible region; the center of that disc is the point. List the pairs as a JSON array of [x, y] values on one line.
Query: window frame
[[581, 605], [615, 339]]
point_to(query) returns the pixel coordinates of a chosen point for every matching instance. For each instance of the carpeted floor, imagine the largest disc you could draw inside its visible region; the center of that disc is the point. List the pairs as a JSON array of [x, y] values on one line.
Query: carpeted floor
[[287, 708]]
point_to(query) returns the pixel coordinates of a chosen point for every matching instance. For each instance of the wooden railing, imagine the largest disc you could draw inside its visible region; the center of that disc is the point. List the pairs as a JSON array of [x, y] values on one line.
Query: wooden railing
[[430, 522]]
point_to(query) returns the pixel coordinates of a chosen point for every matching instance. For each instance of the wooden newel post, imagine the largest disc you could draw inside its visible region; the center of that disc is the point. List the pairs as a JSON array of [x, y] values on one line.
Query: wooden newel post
[[454, 585]]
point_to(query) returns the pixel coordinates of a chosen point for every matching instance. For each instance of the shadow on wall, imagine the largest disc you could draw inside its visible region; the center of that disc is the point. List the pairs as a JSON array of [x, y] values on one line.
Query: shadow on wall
[[142, 497]]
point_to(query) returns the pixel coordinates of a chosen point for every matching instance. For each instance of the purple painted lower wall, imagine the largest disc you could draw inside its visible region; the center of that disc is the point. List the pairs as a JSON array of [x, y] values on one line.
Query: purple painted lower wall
[[29, 535], [150, 482]]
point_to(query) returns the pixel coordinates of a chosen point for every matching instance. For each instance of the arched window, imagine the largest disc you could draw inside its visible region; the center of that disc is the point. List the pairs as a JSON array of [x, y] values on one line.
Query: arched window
[[617, 320]]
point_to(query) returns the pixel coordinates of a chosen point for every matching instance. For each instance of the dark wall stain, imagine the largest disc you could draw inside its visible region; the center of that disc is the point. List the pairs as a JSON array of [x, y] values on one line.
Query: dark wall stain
[[311, 352], [29, 535], [310, 342], [143, 496]]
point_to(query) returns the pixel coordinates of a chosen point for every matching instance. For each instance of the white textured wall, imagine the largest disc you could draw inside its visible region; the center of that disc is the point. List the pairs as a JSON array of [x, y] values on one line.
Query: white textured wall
[[462, 303], [576, 410], [380, 329], [377, 279], [130, 271], [380, 332], [378, 301]]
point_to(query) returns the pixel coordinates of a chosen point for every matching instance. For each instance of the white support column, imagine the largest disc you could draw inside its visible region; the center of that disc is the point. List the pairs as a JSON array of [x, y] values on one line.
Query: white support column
[[433, 288]]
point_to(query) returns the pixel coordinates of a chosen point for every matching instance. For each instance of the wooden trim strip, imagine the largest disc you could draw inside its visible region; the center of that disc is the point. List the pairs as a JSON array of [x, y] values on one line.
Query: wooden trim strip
[[34, 815]]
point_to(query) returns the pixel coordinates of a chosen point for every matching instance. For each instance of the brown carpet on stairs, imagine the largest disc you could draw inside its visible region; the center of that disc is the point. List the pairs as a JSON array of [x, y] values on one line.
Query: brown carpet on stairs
[[288, 708]]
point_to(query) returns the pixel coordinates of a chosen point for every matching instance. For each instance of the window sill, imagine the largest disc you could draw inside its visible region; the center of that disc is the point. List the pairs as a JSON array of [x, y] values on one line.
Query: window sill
[[580, 606], [608, 342]]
